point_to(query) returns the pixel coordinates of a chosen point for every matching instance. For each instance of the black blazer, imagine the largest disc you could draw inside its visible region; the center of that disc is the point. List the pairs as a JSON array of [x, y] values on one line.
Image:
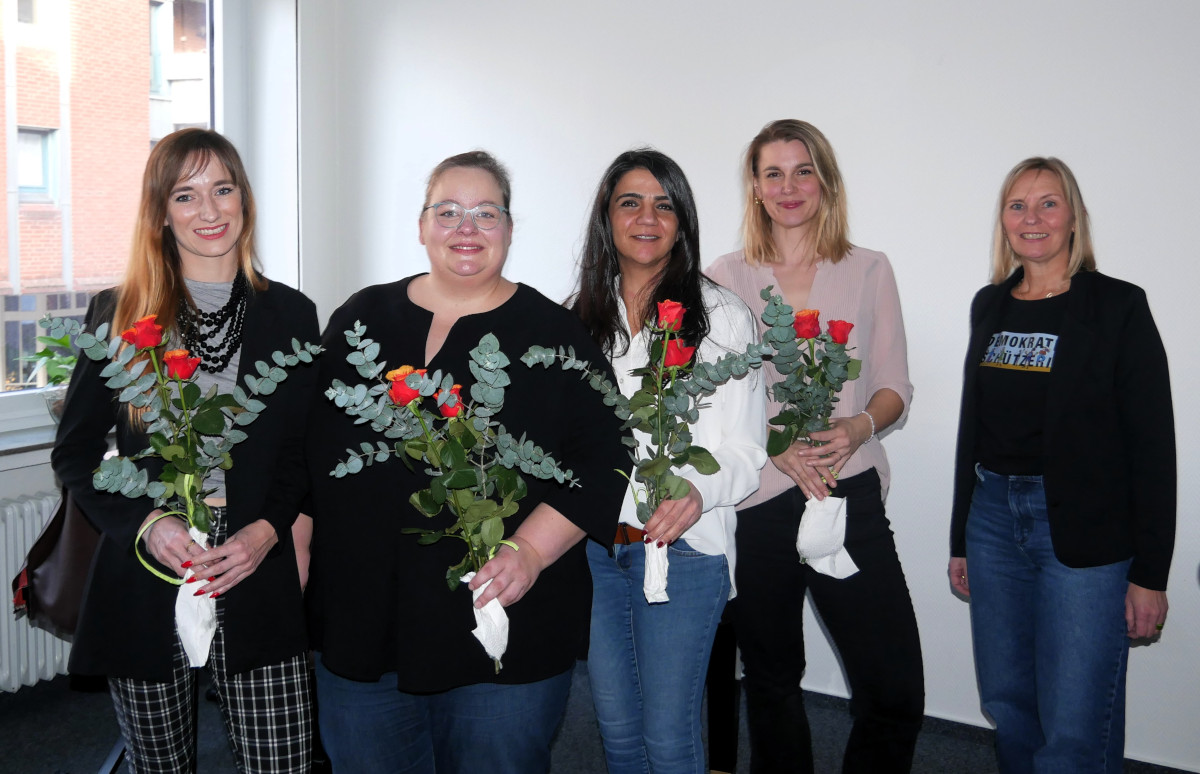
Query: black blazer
[[127, 624], [1109, 468]]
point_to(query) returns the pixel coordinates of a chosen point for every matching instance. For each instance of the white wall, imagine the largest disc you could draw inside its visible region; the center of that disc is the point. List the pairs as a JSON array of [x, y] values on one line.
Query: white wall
[[928, 106]]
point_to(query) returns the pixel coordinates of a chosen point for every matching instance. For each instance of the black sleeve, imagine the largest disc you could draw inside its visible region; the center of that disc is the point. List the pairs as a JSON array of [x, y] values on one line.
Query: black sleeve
[[290, 485], [1147, 425]]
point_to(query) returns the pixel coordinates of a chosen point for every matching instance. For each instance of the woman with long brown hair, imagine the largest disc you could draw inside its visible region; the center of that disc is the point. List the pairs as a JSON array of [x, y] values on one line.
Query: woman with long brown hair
[[193, 266]]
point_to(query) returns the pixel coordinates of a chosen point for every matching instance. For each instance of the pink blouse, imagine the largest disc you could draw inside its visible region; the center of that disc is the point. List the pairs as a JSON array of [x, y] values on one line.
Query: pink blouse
[[860, 289]]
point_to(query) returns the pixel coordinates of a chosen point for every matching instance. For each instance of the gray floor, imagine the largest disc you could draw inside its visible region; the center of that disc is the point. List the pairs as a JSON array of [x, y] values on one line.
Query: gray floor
[[50, 729]]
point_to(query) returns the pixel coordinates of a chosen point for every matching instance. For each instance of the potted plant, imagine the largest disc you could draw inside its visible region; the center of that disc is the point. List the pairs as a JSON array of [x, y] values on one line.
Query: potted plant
[[57, 359]]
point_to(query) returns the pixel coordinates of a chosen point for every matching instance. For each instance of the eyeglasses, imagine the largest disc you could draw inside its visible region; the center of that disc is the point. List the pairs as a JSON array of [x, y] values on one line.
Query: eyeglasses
[[450, 215]]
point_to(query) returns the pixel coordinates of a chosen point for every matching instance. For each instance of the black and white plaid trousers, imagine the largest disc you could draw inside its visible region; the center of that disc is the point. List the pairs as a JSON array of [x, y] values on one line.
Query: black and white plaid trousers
[[267, 711]]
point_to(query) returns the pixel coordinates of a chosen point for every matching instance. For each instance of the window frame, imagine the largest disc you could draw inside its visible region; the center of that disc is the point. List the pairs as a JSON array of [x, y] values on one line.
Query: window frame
[[48, 191]]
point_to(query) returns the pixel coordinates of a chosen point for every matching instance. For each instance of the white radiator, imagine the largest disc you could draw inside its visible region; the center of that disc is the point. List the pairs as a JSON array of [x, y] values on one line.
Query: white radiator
[[27, 655]]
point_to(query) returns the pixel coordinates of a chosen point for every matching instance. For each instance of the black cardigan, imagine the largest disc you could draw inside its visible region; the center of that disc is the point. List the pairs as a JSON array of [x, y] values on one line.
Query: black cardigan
[[378, 601], [127, 624], [1109, 467]]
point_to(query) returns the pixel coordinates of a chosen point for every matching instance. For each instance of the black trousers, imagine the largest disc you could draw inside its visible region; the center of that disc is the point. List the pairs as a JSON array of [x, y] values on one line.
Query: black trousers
[[869, 616]]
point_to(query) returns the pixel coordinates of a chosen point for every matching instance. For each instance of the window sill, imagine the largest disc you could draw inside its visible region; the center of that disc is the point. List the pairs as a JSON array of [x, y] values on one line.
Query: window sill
[[22, 448]]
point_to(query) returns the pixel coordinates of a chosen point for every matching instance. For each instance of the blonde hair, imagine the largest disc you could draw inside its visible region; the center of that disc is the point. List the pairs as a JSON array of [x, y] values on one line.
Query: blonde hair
[[153, 282], [1004, 260], [833, 230]]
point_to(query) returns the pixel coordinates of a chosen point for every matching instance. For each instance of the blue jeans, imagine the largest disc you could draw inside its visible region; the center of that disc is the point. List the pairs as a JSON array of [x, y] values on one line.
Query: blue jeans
[[1050, 642], [647, 663], [372, 727]]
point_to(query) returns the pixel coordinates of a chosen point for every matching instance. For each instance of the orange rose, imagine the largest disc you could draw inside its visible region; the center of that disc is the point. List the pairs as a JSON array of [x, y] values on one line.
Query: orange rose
[[453, 407], [670, 315], [400, 393], [839, 331], [179, 365], [807, 324], [144, 334], [676, 354]]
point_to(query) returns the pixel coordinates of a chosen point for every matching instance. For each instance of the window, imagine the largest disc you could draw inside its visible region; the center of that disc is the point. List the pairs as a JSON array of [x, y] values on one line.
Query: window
[[96, 85], [27, 11], [34, 172]]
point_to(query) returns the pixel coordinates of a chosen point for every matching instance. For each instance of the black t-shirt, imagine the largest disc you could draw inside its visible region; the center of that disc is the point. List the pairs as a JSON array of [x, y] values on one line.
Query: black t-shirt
[[1013, 378]]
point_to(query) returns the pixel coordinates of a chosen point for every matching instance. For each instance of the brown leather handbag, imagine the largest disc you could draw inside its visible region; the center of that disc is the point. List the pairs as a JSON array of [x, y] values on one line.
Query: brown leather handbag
[[49, 589]]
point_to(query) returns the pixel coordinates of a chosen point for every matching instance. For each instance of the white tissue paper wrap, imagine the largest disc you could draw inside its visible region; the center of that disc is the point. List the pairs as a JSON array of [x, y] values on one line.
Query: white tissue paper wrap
[[820, 541], [654, 584], [195, 616], [491, 623]]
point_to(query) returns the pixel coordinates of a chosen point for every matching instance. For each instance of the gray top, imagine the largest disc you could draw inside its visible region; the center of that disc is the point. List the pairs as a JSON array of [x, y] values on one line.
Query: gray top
[[209, 297]]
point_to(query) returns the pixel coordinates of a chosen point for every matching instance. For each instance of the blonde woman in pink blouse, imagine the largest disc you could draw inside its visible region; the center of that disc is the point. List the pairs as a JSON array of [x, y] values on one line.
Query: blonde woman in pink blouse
[[795, 236]]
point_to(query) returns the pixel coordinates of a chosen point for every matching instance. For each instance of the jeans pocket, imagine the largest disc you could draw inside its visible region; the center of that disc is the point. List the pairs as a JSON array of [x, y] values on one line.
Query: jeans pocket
[[682, 548]]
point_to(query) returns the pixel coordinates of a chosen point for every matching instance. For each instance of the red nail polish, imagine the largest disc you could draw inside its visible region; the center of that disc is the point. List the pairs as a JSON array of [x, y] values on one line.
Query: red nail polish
[[215, 594], [192, 579], [646, 540], [186, 564], [661, 544], [198, 593], [213, 578]]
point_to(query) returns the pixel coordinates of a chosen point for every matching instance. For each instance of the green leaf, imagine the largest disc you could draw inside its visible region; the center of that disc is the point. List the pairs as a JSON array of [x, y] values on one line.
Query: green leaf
[[675, 487], [703, 461], [190, 393], [778, 441], [653, 467], [492, 531], [209, 422], [462, 478]]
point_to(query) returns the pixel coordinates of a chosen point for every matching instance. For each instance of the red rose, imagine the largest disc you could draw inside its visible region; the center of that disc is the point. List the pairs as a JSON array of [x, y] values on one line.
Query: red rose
[[839, 331], [807, 324], [677, 354], [144, 334], [670, 315], [179, 365], [453, 407], [400, 393]]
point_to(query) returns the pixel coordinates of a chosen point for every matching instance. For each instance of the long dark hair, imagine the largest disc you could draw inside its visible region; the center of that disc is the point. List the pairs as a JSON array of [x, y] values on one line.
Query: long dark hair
[[599, 272]]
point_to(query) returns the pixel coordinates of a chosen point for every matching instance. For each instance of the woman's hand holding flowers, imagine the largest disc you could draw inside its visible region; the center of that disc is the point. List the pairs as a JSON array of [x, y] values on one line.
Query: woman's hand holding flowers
[[238, 557], [674, 517], [541, 539], [794, 465], [838, 444], [168, 541]]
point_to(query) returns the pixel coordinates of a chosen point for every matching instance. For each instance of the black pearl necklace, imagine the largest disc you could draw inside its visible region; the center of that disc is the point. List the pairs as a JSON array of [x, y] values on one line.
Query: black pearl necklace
[[215, 336]]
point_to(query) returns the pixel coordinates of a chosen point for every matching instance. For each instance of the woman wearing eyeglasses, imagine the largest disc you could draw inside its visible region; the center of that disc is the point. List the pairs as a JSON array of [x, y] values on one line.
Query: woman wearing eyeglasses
[[402, 683]]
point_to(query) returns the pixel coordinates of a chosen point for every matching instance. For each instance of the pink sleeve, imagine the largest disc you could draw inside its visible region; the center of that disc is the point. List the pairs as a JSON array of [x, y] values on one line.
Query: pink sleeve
[[888, 345]]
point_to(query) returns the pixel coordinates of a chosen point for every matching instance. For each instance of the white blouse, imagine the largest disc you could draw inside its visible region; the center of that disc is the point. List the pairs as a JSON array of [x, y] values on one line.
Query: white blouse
[[732, 425]]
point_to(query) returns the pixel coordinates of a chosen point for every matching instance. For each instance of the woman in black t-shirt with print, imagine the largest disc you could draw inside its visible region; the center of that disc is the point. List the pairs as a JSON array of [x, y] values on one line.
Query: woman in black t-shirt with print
[[1064, 503]]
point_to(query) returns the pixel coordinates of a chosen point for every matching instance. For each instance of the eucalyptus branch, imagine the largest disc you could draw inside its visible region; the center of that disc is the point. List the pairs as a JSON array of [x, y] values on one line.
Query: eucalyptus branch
[[474, 463]]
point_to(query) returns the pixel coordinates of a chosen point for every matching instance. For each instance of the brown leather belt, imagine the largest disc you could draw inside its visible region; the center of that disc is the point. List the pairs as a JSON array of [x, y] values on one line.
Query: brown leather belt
[[627, 535]]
